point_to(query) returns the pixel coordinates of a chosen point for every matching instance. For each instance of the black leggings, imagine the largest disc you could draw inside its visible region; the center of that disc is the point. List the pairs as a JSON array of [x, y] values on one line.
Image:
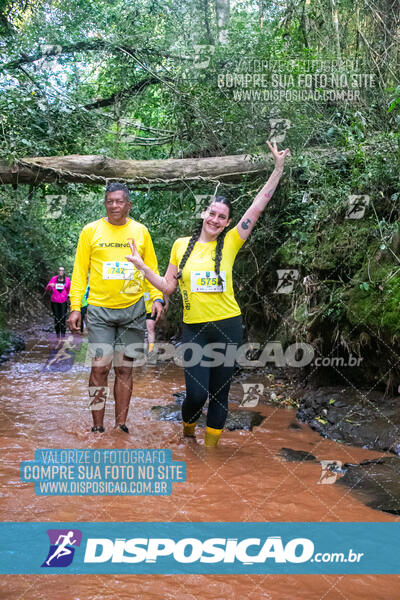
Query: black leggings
[[207, 381], [60, 310]]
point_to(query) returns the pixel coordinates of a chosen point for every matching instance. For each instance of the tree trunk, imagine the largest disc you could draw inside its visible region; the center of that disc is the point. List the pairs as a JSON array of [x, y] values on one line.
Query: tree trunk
[[207, 22], [335, 20], [101, 169], [304, 22], [222, 9]]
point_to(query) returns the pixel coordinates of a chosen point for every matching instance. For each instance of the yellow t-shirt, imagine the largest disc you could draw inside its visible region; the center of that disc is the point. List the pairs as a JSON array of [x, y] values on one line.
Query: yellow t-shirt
[[202, 301], [114, 282]]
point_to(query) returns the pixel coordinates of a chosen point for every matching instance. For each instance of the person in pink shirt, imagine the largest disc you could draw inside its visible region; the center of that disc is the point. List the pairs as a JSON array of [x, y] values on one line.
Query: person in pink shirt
[[59, 285]]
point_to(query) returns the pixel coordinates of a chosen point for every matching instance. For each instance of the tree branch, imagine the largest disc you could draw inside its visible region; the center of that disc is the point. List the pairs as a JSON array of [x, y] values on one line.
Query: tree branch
[[85, 46], [136, 87]]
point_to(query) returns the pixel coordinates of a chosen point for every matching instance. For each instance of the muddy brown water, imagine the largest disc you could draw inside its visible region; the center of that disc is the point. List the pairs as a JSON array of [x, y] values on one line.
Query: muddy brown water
[[244, 479]]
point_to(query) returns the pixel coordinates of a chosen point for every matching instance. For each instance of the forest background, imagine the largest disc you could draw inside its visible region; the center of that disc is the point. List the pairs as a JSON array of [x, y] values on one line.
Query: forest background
[[159, 79]]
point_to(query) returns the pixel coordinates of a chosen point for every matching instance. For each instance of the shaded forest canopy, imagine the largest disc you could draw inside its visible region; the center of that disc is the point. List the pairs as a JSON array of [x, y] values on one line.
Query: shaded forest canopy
[[153, 83]]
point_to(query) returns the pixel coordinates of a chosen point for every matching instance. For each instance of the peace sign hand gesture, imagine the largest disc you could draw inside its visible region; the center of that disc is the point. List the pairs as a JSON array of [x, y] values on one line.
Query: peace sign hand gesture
[[135, 258], [279, 156]]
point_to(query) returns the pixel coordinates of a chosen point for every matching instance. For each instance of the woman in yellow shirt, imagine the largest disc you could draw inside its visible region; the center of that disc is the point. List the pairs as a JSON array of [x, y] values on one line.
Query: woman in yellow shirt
[[212, 323]]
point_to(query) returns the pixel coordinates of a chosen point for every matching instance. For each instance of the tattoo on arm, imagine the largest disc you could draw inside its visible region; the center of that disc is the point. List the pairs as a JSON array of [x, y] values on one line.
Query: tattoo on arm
[[245, 224], [269, 195]]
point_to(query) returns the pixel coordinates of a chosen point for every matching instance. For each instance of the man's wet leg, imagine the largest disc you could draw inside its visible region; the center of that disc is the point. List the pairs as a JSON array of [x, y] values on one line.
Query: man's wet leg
[[123, 391], [99, 379]]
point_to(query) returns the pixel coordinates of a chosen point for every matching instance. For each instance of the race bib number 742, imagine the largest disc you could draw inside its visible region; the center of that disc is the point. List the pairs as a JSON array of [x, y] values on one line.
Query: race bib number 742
[[207, 281], [114, 269]]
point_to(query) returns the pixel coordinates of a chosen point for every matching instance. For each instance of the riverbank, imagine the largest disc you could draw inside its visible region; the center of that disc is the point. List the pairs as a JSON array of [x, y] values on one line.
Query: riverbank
[[358, 417], [10, 343], [34, 321]]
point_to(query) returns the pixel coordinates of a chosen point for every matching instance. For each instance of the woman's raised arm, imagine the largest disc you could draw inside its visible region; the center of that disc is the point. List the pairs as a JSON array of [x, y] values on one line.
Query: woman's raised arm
[[259, 203], [167, 284]]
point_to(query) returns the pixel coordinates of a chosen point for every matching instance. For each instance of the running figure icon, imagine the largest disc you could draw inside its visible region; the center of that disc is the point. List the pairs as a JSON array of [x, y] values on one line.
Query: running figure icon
[[62, 549]]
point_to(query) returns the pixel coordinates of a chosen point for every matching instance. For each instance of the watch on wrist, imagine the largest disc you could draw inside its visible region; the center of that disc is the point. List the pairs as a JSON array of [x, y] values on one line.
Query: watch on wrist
[[159, 300]]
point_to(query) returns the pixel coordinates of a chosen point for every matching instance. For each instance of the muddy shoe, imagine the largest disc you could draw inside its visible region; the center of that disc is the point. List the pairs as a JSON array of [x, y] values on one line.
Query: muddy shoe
[[98, 429], [188, 429], [123, 428]]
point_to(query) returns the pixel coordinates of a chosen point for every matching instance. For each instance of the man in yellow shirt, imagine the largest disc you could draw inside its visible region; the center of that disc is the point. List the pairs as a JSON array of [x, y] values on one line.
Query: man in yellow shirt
[[116, 315]]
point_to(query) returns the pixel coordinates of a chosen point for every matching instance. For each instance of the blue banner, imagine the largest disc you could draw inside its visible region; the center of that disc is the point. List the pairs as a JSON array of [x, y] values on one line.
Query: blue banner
[[207, 548]]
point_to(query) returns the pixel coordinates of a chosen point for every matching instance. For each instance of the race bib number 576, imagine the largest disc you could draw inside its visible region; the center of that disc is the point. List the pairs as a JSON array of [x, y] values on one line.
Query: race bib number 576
[[207, 281]]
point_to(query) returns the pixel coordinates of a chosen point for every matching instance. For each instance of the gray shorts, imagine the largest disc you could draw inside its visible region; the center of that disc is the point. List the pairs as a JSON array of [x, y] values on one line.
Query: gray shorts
[[116, 330]]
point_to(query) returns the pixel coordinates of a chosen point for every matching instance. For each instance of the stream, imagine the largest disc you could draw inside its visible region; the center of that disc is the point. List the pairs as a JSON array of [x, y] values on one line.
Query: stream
[[244, 479]]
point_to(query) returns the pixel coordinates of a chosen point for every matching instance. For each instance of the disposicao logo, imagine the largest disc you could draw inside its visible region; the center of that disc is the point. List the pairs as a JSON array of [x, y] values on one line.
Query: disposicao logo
[[61, 551], [190, 550]]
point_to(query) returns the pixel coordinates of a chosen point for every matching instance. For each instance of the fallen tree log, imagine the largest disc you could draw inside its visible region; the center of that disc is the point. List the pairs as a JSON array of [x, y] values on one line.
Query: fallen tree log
[[97, 169]]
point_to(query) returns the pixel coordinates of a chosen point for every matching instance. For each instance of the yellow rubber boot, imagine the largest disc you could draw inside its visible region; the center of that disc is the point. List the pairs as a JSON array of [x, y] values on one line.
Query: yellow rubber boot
[[188, 429], [212, 436]]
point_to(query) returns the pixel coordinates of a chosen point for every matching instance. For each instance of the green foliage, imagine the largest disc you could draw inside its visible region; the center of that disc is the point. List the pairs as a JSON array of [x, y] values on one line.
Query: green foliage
[[34, 240], [375, 303], [71, 72]]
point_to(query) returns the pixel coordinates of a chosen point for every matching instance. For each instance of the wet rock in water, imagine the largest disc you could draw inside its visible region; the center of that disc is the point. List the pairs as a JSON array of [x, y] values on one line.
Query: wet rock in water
[[171, 412], [296, 455], [243, 419], [294, 426], [236, 419], [375, 482], [17, 342], [179, 397], [362, 419]]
